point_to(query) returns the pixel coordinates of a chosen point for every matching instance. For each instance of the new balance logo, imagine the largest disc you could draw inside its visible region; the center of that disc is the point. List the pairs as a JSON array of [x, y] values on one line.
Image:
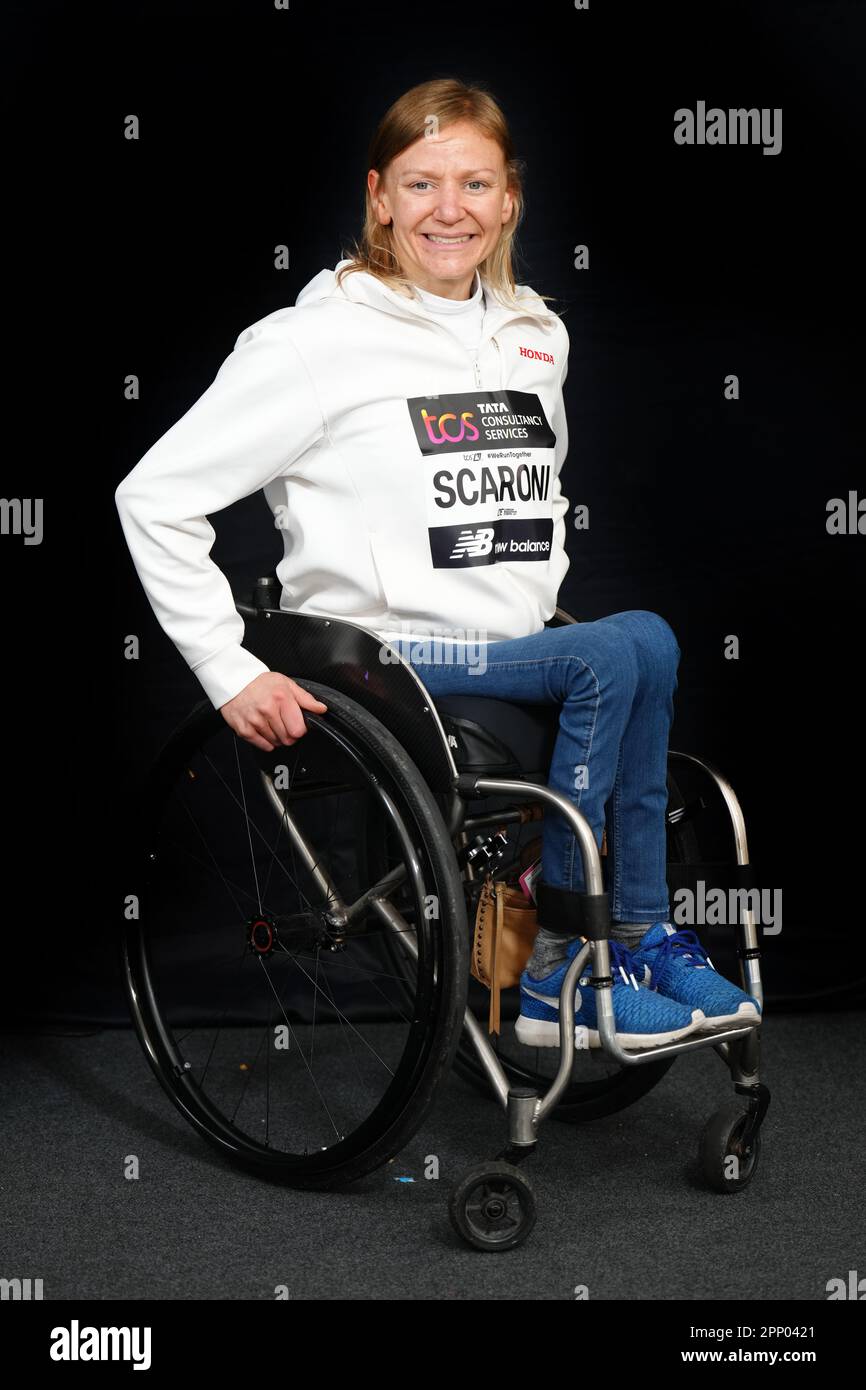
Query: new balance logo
[[479, 542], [538, 356]]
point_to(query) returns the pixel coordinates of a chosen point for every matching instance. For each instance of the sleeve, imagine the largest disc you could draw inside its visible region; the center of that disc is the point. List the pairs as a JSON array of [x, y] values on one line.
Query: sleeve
[[559, 559], [259, 415]]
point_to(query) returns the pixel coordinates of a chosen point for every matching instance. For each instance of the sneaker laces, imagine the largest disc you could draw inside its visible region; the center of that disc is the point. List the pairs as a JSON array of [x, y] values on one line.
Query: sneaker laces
[[682, 945], [622, 963]]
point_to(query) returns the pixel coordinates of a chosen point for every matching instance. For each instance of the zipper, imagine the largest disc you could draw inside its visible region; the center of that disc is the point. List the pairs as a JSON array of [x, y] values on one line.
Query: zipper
[[473, 354], [495, 343], [478, 368]]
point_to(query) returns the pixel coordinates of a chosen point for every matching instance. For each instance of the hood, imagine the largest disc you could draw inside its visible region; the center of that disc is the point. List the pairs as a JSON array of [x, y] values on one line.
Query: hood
[[363, 288]]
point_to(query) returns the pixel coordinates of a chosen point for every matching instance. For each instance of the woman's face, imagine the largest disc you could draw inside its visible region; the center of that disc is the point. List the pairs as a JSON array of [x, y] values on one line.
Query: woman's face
[[446, 198]]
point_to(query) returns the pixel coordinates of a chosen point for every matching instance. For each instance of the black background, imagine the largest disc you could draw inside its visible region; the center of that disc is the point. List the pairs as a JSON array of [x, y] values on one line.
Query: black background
[[150, 256]]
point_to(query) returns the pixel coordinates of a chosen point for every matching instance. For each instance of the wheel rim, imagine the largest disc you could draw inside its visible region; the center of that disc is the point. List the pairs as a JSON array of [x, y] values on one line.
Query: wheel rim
[[746, 1157], [285, 1051], [494, 1210]]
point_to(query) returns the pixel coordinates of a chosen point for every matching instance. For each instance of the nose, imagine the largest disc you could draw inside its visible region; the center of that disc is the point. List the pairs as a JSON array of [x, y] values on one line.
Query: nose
[[449, 205]]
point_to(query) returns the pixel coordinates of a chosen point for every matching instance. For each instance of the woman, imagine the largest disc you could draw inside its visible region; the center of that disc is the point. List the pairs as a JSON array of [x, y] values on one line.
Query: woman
[[406, 422]]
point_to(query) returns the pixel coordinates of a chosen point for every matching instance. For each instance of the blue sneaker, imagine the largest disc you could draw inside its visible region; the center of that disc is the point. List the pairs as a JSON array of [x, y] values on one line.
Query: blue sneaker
[[643, 1017], [675, 964]]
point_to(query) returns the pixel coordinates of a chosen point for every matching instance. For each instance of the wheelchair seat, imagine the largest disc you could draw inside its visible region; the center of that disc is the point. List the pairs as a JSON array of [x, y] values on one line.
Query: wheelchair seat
[[482, 735], [494, 737]]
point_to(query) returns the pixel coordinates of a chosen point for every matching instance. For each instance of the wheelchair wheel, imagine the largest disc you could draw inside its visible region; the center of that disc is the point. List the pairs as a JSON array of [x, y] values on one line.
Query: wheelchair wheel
[[599, 1085], [493, 1207], [260, 973], [728, 1163]]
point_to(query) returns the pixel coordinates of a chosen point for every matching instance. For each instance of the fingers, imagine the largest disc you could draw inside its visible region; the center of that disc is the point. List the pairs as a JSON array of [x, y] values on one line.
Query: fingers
[[267, 723], [257, 732], [285, 719], [247, 730], [284, 723], [258, 742], [308, 701], [287, 722]]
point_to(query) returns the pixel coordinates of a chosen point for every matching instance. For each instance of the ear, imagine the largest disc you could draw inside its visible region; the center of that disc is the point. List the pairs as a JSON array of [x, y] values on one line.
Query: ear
[[378, 196]]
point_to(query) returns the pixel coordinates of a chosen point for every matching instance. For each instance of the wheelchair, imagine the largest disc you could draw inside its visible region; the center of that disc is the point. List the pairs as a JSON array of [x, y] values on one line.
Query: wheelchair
[[298, 971]]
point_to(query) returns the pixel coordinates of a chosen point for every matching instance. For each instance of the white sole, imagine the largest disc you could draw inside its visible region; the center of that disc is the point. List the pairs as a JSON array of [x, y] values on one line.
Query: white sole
[[534, 1032], [747, 1013]]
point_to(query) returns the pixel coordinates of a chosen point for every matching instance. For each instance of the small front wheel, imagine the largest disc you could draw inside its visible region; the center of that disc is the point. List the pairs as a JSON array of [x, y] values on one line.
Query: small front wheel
[[493, 1207], [727, 1162]]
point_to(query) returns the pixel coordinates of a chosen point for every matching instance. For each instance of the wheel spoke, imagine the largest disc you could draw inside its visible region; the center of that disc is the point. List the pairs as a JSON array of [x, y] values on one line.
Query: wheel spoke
[[252, 825], [306, 1064], [342, 1017], [303, 964]]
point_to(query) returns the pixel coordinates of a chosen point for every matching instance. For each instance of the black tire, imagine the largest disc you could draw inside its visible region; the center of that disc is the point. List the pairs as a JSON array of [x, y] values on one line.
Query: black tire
[[493, 1207], [722, 1141], [588, 1097], [347, 740]]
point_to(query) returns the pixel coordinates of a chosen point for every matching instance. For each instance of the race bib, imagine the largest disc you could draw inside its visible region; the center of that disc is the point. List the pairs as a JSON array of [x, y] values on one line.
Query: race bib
[[489, 471]]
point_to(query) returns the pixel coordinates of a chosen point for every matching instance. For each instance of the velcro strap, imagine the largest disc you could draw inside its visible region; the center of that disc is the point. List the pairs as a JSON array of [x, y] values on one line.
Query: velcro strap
[[568, 913]]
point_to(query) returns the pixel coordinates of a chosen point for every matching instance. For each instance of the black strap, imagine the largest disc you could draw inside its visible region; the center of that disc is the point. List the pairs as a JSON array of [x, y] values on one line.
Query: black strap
[[567, 913]]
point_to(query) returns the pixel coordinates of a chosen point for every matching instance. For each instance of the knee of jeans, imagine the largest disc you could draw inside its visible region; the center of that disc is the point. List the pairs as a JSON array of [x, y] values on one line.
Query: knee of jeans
[[661, 635], [617, 668]]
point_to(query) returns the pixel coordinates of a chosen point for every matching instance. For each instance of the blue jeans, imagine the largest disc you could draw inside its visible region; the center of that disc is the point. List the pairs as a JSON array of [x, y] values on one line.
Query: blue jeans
[[614, 680]]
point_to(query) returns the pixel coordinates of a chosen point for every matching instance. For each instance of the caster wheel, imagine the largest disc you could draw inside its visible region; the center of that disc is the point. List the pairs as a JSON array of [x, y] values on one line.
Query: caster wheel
[[493, 1207], [721, 1143]]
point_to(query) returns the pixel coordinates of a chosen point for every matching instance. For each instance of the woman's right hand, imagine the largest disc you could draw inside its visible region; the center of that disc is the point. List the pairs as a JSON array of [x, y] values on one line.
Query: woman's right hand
[[267, 712]]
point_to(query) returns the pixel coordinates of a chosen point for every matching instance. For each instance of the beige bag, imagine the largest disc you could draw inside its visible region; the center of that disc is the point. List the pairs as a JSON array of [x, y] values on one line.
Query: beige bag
[[506, 925], [505, 928]]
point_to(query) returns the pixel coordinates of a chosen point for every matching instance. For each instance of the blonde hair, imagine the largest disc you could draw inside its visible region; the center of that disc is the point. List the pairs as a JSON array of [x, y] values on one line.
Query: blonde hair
[[448, 100]]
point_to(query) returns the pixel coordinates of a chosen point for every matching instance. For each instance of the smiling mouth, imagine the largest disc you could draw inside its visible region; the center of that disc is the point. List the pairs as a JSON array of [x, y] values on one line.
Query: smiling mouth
[[448, 240]]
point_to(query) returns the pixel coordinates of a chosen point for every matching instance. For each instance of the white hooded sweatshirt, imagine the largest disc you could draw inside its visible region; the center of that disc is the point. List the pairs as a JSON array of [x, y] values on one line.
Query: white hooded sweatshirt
[[415, 482]]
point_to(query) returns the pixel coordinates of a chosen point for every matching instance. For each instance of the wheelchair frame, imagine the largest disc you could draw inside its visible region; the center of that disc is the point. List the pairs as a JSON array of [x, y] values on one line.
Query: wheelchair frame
[[348, 658]]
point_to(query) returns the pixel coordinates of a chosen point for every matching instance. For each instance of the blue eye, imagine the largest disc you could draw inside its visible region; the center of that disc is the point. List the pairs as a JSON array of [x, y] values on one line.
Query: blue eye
[[419, 182]]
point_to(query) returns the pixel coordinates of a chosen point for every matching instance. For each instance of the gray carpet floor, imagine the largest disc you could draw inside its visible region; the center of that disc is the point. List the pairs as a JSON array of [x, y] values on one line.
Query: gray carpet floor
[[622, 1208]]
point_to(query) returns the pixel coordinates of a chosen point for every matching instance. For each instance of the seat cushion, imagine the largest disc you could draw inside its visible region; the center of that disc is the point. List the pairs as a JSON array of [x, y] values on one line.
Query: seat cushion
[[498, 736]]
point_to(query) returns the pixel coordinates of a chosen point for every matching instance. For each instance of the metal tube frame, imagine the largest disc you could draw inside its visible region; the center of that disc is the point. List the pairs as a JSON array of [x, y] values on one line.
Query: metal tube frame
[[738, 1047], [744, 1060], [599, 953]]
